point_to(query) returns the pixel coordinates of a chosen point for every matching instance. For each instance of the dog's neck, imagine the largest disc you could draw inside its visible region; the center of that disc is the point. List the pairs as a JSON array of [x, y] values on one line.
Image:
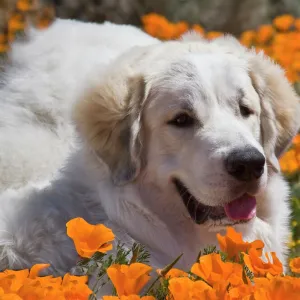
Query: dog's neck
[[138, 208]]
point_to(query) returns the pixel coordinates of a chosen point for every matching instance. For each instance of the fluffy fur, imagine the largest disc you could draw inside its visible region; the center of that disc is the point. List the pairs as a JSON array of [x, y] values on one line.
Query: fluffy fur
[[122, 88]]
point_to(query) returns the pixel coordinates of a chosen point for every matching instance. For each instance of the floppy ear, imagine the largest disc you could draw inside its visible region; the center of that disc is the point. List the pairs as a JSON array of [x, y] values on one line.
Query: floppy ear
[[108, 118], [280, 107]]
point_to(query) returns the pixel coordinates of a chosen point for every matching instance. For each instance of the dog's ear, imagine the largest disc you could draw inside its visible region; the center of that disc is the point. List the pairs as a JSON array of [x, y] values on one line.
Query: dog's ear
[[109, 120], [280, 107]]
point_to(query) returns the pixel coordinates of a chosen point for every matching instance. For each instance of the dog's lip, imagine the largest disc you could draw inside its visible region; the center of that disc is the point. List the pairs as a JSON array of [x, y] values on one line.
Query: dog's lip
[[198, 211]]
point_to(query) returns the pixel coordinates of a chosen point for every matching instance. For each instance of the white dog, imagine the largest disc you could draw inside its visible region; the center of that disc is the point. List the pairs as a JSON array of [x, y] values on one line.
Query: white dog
[[176, 140]]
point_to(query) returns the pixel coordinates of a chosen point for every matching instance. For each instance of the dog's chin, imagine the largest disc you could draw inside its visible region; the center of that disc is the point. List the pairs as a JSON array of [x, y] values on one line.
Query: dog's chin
[[212, 216]]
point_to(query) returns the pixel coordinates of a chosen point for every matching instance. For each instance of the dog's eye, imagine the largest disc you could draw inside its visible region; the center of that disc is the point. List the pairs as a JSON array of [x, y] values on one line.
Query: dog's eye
[[182, 120], [245, 111]]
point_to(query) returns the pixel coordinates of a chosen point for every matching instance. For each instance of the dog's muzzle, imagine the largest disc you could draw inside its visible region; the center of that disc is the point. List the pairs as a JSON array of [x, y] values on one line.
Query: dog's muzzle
[[241, 209]]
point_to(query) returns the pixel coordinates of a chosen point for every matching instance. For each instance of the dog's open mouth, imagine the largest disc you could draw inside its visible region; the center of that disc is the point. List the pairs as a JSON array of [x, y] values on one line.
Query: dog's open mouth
[[239, 210]]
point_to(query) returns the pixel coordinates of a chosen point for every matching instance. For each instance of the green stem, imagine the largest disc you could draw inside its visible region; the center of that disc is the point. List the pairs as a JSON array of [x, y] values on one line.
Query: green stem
[[164, 271]]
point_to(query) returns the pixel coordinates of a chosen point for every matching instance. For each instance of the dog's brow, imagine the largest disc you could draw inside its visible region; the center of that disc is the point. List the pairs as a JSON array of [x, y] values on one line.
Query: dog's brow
[[184, 105], [240, 94], [187, 105]]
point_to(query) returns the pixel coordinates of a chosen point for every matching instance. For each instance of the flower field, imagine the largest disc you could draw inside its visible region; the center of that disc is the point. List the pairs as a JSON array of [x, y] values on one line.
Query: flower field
[[237, 271]]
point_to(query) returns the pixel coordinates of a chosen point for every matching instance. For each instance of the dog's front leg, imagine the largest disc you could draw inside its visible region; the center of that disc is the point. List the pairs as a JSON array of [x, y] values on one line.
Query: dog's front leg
[[33, 226]]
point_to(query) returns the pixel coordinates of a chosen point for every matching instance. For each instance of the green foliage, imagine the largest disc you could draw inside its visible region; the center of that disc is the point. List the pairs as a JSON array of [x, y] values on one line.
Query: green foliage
[[161, 291], [294, 181]]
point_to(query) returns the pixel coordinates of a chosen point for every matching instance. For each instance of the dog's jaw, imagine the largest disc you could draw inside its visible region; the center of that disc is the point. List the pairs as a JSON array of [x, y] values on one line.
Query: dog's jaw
[[138, 211]]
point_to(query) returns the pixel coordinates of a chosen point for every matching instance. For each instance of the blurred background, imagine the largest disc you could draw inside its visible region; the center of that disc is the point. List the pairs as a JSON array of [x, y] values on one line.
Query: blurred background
[[233, 16], [272, 26]]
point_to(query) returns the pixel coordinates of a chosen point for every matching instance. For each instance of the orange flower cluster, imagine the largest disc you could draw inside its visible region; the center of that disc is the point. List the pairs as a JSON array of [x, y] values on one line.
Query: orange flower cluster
[[215, 278], [159, 27], [237, 272], [218, 279], [26, 284], [280, 40], [39, 14]]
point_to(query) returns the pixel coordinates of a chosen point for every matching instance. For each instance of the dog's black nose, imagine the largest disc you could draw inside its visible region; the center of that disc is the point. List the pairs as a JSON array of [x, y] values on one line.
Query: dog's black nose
[[245, 164]]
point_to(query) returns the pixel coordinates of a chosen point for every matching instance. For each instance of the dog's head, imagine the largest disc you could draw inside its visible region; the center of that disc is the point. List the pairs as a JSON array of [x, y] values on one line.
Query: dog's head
[[203, 122]]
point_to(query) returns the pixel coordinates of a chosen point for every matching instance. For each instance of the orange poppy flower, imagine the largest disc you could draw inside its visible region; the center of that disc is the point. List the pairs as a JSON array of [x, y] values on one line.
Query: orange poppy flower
[[130, 297], [36, 269], [296, 139], [296, 65], [129, 279], [71, 287], [264, 33], [158, 26], [75, 287], [184, 288], [167, 32], [27, 284], [297, 24], [76, 290], [295, 265], [16, 22], [199, 29], [280, 38], [12, 281], [8, 296], [232, 243], [173, 273], [293, 44], [286, 60], [261, 268], [248, 37], [212, 269], [44, 280], [241, 292], [40, 289], [153, 18], [181, 28], [88, 238], [24, 5], [288, 162], [213, 34], [277, 288], [283, 22], [71, 279]]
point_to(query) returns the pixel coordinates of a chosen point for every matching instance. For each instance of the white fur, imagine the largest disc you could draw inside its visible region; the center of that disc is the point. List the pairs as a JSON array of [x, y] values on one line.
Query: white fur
[[74, 60]]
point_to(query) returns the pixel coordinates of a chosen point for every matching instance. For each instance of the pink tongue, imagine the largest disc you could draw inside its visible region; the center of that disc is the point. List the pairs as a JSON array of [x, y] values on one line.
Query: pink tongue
[[242, 208]]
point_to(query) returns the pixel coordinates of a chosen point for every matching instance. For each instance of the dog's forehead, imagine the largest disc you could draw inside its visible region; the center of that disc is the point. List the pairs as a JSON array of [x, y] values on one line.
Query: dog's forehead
[[208, 69], [207, 76]]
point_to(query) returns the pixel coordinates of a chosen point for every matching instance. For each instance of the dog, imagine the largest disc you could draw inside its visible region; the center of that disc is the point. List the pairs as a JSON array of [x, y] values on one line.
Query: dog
[[166, 143]]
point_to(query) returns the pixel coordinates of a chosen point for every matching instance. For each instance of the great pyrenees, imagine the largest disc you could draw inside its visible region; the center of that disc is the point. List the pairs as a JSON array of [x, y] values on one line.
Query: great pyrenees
[[167, 143]]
